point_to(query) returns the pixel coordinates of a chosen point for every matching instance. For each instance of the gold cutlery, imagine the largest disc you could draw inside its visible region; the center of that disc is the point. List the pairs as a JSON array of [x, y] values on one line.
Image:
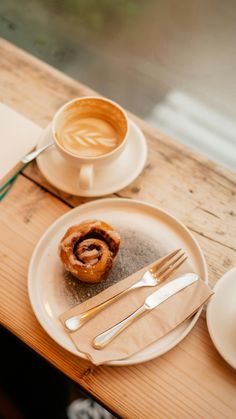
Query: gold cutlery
[[150, 303], [158, 272]]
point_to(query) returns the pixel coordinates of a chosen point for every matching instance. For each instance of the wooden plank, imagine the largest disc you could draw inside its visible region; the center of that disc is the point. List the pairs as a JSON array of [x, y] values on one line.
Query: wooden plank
[[180, 174], [171, 385], [190, 380]]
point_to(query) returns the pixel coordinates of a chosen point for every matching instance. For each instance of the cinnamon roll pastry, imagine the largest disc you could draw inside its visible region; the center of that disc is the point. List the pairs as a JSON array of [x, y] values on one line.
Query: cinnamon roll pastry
[[88, 250]]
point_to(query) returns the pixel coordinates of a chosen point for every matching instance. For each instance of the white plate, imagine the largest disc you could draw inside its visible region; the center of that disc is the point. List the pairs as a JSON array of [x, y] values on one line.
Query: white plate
[[221, 317], [107, 180], [145, 227]]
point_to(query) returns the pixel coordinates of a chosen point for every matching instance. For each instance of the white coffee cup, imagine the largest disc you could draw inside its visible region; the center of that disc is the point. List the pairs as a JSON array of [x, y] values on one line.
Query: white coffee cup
[[95, 109]]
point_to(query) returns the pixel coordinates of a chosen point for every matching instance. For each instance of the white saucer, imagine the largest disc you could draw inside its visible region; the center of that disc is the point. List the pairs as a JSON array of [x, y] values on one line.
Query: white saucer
[[48, 290], [221, 317], [107, 180]]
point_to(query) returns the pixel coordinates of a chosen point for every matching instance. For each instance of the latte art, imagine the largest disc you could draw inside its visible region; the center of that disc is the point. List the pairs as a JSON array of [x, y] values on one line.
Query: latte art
[[88, 136]]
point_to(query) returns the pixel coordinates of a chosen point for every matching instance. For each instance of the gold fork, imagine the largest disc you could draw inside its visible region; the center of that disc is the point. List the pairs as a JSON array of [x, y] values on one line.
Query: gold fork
[[158, 272]]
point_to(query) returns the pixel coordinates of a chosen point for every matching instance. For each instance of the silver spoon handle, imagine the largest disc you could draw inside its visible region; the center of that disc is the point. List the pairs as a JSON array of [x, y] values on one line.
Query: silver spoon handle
[[31, 156]]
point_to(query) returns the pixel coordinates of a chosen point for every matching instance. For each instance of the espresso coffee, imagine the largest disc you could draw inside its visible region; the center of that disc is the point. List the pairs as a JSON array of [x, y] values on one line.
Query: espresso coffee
[[88, 136]]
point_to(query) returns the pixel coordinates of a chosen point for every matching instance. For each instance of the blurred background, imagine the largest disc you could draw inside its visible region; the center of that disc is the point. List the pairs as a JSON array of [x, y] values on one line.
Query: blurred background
[[173, 63]]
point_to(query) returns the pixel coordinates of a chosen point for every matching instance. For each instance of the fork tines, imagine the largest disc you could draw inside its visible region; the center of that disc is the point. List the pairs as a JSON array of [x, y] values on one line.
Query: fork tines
[[163, 269]]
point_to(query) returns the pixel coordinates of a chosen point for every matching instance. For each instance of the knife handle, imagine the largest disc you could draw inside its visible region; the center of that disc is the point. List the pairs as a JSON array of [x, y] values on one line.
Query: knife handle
[[104, 338]]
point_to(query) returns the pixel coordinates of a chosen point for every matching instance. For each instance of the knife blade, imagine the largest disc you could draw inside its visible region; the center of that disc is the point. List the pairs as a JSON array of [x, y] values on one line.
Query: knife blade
[[150, 303], [169, 289]]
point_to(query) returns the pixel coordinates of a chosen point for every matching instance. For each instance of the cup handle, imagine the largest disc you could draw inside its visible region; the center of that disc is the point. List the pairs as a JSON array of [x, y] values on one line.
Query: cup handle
[[86, 176]]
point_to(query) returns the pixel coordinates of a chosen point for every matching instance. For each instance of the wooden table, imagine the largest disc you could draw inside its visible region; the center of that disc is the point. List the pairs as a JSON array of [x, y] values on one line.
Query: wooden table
[[191, 380]]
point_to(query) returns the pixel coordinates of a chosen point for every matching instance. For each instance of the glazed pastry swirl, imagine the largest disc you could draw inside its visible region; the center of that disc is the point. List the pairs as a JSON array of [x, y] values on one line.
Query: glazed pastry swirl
[[88, 250]]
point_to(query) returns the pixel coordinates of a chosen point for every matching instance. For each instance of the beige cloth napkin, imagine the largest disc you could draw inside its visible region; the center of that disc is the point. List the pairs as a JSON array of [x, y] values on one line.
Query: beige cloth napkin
[[146, 329]]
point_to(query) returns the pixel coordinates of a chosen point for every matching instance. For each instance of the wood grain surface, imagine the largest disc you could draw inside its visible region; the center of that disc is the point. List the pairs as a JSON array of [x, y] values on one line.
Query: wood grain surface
[[191, 380]]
